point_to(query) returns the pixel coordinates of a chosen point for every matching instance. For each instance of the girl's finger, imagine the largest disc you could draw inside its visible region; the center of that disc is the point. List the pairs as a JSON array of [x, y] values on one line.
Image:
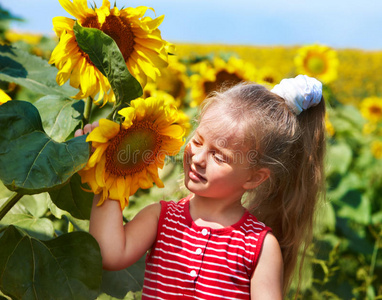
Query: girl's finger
[[95, 124], [87, 128], [78, 132]]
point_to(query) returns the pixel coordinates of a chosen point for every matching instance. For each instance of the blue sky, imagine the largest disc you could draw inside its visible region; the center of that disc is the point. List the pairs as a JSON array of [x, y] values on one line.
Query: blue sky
[[336, 23]]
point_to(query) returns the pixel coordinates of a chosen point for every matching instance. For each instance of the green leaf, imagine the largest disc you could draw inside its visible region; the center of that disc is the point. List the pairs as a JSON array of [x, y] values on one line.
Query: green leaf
[[339, 157], [376, 218], [326, 219], [56, 211], [68, 267], [31, 72], [119, 283], [355, 236], [39, 228], [104, 53], [355, 205], [59, 115], [35, 205], [72, 198], [30, 161]]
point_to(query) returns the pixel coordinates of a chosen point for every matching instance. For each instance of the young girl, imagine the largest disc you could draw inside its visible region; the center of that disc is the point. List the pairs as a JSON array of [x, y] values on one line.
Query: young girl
[[267, 146]]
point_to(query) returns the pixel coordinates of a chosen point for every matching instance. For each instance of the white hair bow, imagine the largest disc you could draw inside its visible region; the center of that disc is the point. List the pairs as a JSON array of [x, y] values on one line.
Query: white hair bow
[[300, 92]]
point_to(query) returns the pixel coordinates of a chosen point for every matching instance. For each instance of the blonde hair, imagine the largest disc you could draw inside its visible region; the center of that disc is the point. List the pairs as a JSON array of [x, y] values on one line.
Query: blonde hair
[[292, 148]]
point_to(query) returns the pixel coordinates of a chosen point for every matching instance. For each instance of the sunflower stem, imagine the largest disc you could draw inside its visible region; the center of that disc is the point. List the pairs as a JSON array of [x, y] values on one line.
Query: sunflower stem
[[113, 114], [12, 200], [88, 110]]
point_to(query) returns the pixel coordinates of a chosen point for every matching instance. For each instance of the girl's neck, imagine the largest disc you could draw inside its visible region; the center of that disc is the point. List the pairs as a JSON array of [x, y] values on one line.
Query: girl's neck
[[215, 213]]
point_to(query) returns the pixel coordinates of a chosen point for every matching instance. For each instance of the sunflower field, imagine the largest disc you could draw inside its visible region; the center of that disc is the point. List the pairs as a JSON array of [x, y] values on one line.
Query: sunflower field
[[111, 65]]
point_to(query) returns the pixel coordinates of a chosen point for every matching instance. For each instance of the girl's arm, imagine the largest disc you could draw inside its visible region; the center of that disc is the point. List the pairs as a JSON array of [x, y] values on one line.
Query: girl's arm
[[121, 245], [267, 279]]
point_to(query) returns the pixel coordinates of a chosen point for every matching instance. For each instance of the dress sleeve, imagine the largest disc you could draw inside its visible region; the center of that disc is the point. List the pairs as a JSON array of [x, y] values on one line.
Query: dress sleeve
[[259, 245], [162, 213]]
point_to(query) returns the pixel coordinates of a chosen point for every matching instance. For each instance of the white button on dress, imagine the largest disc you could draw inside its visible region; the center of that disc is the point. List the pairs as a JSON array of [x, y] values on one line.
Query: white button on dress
[[204, 232], [193, 273], [198, 251]]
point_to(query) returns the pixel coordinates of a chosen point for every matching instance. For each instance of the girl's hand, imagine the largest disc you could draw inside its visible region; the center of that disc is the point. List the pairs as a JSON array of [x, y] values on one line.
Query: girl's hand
[[87, 129]]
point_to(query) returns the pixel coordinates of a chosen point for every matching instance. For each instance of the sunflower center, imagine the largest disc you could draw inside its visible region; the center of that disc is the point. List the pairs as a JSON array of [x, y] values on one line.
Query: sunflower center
[[222, 77], [132, 149], [376, 110], [315, 64], [118, 29], [269, 79], [172, 85]]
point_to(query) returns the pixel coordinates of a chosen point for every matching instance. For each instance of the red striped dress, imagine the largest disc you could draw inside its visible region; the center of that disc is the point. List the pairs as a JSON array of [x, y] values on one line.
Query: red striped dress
[[192, 262]]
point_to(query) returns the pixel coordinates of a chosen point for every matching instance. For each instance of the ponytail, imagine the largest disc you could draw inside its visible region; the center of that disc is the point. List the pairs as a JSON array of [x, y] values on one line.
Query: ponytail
[[287, 201]]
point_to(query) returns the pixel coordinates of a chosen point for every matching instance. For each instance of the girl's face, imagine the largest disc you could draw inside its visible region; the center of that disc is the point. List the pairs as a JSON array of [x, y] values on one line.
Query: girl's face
[[216, 163]]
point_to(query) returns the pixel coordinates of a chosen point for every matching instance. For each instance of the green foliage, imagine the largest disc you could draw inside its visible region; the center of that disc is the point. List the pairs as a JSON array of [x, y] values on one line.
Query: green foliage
[[118, 283], [38, 162], [60, 115], [106, 56], [73, 197], [65, 266], [31, 72], [46, 252]]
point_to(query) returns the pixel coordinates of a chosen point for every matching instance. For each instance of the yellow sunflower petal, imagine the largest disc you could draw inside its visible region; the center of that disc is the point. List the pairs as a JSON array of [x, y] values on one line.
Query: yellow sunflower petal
[[99, 172], [4, 97], [109, 129], [121, 189], [129, 114], [77, 8], [97, 155], [176, 131]]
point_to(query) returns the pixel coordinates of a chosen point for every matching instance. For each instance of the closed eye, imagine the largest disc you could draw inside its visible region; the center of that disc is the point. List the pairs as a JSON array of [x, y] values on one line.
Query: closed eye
[[196, 142], [218, 157]]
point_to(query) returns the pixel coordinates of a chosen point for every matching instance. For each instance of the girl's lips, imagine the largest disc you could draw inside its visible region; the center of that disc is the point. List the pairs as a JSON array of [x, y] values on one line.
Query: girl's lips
[[195, 176]]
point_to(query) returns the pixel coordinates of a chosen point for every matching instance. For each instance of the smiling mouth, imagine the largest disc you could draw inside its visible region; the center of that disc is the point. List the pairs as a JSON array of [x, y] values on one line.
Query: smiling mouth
[[195, 176]]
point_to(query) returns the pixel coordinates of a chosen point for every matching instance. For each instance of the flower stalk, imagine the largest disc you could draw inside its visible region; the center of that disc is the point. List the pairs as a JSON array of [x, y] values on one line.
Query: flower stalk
[[113, 116], [12, 200], [88, 110]]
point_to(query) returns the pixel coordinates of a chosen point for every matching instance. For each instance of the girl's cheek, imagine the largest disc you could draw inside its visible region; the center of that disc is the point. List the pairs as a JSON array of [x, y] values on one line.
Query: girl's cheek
[[187, 154]]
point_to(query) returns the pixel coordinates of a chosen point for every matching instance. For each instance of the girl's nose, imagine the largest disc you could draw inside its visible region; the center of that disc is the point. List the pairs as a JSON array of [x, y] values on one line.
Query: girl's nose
[[199, 157]]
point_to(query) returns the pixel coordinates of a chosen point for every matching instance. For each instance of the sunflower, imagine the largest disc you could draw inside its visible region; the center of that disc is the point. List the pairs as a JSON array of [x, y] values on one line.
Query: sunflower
[[174, 80], [127, 156], [211, 78], [371, 109], [317, 61], [369, 128], [329, 126], [268, 76], [4, 97], [137, 37], [29, 38], [376, 149], [151, 90]]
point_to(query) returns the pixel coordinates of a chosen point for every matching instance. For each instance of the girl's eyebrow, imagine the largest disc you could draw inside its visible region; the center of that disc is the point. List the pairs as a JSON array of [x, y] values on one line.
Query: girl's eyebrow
[[198, 134]]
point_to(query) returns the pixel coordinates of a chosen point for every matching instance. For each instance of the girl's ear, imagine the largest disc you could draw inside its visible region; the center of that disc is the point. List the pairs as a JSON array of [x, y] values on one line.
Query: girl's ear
[[257, 178]]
